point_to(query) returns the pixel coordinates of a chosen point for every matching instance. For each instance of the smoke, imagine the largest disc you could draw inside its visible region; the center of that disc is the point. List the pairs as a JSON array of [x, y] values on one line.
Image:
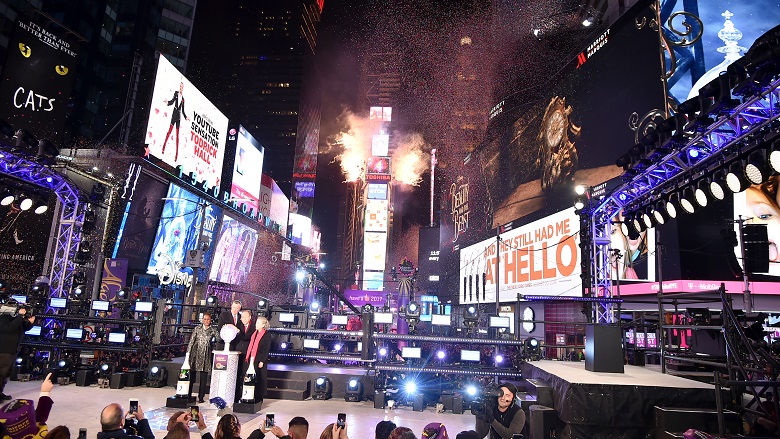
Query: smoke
[[410, 159]]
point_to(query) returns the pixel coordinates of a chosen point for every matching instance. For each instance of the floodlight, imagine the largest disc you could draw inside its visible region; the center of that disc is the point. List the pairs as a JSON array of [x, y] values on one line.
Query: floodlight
[[736, 179], [672, 205], [157, 376], [78, 292], [354, 390], [718, 185], [441, 355], [26, 203], [314, 308], [471, 313], [774, 157], [686, 200], [659, 213], [7, 197], [410, 387], [412, 310], [471, 390], [41, 209], [700, 194], [383, 351], [323, 388], [756, 168], [499, 359]]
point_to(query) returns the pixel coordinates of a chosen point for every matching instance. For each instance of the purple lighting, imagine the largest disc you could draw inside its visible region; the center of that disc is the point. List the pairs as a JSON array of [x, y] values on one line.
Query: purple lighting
[[440, 355], [499, 359]]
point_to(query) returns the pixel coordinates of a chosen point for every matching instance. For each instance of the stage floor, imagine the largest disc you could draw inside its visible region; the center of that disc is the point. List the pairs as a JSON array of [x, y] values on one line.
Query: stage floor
[[79, 407], [574, 372]]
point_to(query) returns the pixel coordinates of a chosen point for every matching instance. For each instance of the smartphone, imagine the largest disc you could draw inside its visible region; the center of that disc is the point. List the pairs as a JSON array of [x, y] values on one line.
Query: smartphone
[[341, 420], [82, 433], [269, 420], [195, 413], [133, 406]]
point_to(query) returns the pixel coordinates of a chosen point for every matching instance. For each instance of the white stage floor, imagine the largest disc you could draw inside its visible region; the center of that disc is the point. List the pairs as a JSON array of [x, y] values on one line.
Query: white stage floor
[[574, 372], [79, 407]]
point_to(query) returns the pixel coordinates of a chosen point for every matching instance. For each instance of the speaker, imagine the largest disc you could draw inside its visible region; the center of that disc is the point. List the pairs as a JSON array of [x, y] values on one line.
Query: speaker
[[756, 242], [418, 404], [603, 349], [543, 422], [85, 377], [379, 399], [118, 380], [457, 404], [135, 378]]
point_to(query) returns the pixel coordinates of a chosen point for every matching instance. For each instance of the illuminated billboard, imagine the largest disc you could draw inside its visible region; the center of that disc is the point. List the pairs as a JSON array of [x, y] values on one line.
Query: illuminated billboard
[[247, 168], [376, 215], [140, 220], [539, 258], [378, 165], [301, 229], [234, 253], [381, 114], [380, 144], [305, 189], [377, 191], [374, 250], [184, 128], [280, 208], [373, 280]]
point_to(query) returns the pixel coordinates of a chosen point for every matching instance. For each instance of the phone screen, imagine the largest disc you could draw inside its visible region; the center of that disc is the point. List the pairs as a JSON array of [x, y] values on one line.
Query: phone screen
[[341, 420], [133, 405], [195, 413], [82, 433], [269, 420]]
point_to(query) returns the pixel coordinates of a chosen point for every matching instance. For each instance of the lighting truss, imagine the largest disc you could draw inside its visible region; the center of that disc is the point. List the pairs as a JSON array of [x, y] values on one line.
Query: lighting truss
[[713, 143], [452, 370]]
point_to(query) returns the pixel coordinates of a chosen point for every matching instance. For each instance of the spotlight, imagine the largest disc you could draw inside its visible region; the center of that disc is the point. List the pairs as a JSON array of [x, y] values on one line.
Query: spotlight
[[718, 185], [638, 224], [83, 252], [624, 228], [367, 308], [40, 289], [671, 205], [588, 21], [532, 348], [300, 275], [471, 390], [7, 197], [383, 351], [410, 387], [735, 178], [471, 314], [78, 292], [211, 300], [756, 167], [441, 355], [262, 307], [658, 213], [123, 295], [284, 345], [105, 370], [337, 347], [774, 156], [579, 203], [41, 209], [323, 388], [157, 376], [314, 308], [499, 359], [412, 310], [26, 203], [354, 390], [531, 342], [700, 194], [647, 218], [686, 200]]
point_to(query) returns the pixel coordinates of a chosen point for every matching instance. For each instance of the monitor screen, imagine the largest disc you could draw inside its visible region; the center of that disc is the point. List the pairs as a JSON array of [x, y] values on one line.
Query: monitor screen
[[286, 317], [651, 343], [311, 344], [19, 298], [466, 355], [34, 331], [58, 302], [408, 352], [441, 320], [640, 339], [499, 322], [383, 317], [339, 319], [74, 333], [143, 306], [630, 336], [360, 346], [100, 305], [116, 337]]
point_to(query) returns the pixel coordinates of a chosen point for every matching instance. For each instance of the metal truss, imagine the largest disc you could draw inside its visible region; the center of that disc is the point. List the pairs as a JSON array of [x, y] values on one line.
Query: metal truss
[[71, 214], [736, 132]]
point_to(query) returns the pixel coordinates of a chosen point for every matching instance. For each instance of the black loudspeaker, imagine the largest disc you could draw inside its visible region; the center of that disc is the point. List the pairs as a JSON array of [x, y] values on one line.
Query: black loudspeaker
[[543, 422], [118, 380], [603, 349], [85, 377], [457, 404], [135, 378], [418, 404], [756, 242], [379, 399]]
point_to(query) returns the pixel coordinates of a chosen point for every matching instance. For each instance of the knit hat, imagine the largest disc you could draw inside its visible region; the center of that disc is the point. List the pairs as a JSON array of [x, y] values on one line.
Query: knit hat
[[18, 418], [435, 430], [511, 387]]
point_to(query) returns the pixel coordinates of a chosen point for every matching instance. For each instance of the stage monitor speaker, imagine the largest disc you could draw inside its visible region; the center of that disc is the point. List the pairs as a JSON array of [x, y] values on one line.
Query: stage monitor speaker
[[379, 399], [708, 342], [457, 404], [85, 377], [118, 380], [418, 404], [135, 378], [543, 422], [603, 349]]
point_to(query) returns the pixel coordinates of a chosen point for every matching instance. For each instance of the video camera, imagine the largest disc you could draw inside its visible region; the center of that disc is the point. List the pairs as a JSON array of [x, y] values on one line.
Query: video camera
[[487, 398], [11, 306]]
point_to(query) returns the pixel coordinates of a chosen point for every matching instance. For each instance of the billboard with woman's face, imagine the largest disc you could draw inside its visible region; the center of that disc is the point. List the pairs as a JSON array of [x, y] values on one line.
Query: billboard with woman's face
[[234, 253]]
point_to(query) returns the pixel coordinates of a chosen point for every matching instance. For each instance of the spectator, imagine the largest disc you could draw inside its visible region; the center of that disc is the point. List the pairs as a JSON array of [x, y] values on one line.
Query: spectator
[[11, 330], [228, 427], [178, 431], [396, 434], [18, 418], [298, 428], [468, 434], [434, 430], [383, 429], [334, 432], [184, 418], [507, 420], [112, 422], [59, 432]]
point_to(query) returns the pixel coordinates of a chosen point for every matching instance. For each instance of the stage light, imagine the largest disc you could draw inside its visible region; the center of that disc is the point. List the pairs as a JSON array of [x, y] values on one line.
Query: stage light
[[19, 360], [211, 300], [83, 252], [26, 203], [314, 308], [499, 359], [7, 197], [647, 218], [262, 307], [105, 370], [686, 200], [588, 21], [300, 275], [440, 354], [383, 351], [412, 310], [672, 203], [774, 156], [580, 189], [659, 213], [471, 314], [410, 387], [735, 178], [471, 390], [354, 390], [624, 228], [700, 194], [283, 345], [323, 388], [367, 308], [531, 342], [638, 224], [41, 209], [78, 292], [157, 376], [579, 203], [40, 289], [718, 185], [123, 295], [756, 167], [337, 347]]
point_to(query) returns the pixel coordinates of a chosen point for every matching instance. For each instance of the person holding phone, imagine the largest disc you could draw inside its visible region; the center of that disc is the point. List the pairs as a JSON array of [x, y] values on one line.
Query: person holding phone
[[333, 431], [112, 423], [298, 428], [181, 420], [259, 347]]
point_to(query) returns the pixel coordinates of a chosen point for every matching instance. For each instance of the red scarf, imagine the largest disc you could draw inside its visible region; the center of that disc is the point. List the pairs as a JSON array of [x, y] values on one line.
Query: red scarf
[[252, 351]]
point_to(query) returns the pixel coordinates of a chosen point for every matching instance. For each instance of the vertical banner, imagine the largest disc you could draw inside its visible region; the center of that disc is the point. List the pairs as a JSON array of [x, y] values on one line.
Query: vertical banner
[[114, 278]]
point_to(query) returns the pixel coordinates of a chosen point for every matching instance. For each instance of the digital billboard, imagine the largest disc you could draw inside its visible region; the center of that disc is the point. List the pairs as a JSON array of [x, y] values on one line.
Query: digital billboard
[[24, 240], [373, 280], [247, 168], [374, 250], [378, 165], [377, 191], [380, 114], [305, 189], [280, 208], [144, 203], [184, 128], [380, 144], [376, 215], [301, 229], [38, 78], [234, 253], [539, 258]]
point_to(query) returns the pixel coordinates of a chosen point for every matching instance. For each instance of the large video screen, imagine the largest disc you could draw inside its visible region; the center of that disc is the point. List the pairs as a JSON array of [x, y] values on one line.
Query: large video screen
[[184, 128], [247, 169], [145, 199], [235, 252]]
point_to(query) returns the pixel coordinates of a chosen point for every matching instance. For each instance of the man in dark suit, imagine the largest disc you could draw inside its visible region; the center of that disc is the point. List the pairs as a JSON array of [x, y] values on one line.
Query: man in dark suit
[[232, 317], [243, 338]]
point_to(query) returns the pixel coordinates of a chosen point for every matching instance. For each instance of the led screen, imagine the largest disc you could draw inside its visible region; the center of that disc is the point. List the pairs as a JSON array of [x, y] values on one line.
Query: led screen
[[247, 169], [408, 352], [305, 189], [116, 337], [374, 250], [499, 322], [74, 333], [286, 317], [58, 302], [100, 305], [380, 114], [380, 144], [339, 320], [383, 318], [234, 253], [466, 355], [441, 320], [377, 191], [378, 165], [373, 280], [376, 215], [35, 331], [311, 344], [184, 128], [143, 306], [301, 229]]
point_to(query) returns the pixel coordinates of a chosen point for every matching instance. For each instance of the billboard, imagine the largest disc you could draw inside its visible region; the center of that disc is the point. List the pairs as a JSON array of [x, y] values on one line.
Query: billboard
[[184, 128], [380, 144], [374, 250], [428, 257], [38, 77], [373, 280], [137, 231], [376, 215], [377, 191], [378, 165], [301, 229], [234, 253], [380, 114], [247, 168], [539, 258], [280, 208], [305, 189]]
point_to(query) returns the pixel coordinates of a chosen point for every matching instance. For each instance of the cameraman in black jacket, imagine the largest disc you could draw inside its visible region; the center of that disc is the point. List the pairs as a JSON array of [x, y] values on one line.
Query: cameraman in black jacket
[[507, 419], [11, 330]]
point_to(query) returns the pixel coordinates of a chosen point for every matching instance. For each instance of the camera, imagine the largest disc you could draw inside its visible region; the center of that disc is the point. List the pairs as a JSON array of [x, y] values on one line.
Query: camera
[[487, 398]]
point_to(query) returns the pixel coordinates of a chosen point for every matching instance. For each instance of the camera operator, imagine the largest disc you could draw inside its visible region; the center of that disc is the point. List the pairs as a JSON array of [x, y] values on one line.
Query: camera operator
[[11, 330], [503, 419]]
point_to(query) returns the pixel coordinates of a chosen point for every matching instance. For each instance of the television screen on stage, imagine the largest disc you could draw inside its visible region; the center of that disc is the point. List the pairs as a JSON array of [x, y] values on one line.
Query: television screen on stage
[[499, 322], [101, 305], [35, 331], [286, 317], [311, 344], [117, 337], [184, 128], [441, 320], [466, 355], [409, 352], [58, 302], [247, 168], [19, 298], [74, 333], [650, 341], [144, 306], [339, 319], [383, 318], [630, 336], [235, 252], [640, 339]]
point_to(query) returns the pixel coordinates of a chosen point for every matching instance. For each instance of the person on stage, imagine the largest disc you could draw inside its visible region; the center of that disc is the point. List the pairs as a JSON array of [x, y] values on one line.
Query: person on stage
[[244, 337], [506, 420], [11, 330], [258, 349], [200, 350], [232, 317]]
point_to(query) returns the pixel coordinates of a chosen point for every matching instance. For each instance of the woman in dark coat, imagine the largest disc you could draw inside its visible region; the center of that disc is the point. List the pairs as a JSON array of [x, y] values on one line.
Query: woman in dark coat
[[259, 346], [245, 331]]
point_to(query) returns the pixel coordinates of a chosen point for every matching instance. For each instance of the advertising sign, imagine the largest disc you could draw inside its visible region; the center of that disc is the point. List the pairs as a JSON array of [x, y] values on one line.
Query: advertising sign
[[185, 129], [247, 168], [539, 258], [144, 196], [234, 253], [370, 297], [373, 280], [380, 114], [377, 191], [38, 77], [301, 229], [280, 208], [305, 189], [374, 250], [380, 144], [376, 215], [378, 165]]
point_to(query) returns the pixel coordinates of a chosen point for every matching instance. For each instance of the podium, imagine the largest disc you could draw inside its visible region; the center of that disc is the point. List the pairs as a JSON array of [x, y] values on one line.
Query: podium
[[224, 372]]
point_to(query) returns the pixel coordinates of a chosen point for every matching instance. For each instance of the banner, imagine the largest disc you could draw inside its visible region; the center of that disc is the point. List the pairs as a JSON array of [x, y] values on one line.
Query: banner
[[373, 298], [113, 279]]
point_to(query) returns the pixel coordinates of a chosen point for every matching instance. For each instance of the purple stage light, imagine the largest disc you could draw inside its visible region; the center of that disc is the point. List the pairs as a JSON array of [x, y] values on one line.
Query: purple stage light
[[440, 355]]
